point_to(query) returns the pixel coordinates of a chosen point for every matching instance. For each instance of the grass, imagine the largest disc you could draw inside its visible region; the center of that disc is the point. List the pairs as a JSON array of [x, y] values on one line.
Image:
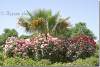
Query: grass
[[91, 61]]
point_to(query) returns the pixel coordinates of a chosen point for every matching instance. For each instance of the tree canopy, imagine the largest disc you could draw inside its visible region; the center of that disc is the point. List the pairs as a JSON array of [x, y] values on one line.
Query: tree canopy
[[7, 33], [80, 28]]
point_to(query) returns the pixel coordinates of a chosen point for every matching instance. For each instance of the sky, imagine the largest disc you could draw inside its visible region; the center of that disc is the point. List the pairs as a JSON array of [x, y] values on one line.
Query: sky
[[79, 11]]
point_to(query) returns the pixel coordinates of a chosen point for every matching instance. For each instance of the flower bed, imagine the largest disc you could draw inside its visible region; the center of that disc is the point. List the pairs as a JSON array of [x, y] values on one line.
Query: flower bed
[[52, 48]]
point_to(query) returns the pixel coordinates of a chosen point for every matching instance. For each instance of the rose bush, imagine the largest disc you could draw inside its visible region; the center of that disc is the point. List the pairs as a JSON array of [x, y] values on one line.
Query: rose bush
[[53, 48], [80, 46]]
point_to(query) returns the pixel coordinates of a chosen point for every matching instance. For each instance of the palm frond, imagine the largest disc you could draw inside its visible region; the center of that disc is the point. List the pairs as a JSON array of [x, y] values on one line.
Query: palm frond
[[61, 24]]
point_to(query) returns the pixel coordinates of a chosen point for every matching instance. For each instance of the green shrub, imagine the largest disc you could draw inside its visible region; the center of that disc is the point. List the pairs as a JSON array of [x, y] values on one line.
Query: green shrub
[[43, 62], [25, 62], [13, 61], [80, 62], [9, 62], [1, 56], [96, 54], [58, 64], [1, 63], [19, 61], [28, 62], [91, 61]]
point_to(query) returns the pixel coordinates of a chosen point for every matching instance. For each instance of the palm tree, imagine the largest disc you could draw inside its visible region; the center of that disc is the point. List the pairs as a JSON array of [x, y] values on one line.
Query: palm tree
[[42, 21]]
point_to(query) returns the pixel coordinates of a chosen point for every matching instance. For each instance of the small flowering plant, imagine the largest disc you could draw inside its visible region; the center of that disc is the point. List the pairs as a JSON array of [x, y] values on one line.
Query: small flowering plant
[[9, 46]]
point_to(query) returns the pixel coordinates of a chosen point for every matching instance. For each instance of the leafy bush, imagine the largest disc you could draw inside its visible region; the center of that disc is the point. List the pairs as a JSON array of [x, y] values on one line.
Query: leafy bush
[[11, 62], [17, 61], [43, 62], [92, 61], [1, 59], [1, 56], [58, 64]]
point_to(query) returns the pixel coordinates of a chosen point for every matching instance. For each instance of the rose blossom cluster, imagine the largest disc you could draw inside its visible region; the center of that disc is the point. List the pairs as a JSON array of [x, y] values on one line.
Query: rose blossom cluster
[[16, 46], [22, 46]]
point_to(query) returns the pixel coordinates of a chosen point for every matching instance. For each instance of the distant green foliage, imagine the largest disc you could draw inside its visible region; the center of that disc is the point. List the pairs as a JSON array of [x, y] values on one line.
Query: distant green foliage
[[7, 33], [80, 28], [10, 32], [24, 36], [2, 39]]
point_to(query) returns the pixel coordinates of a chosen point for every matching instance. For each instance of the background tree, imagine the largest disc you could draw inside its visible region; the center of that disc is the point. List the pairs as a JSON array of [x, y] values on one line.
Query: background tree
[[7, 33], [24, 36], [80, 28]]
